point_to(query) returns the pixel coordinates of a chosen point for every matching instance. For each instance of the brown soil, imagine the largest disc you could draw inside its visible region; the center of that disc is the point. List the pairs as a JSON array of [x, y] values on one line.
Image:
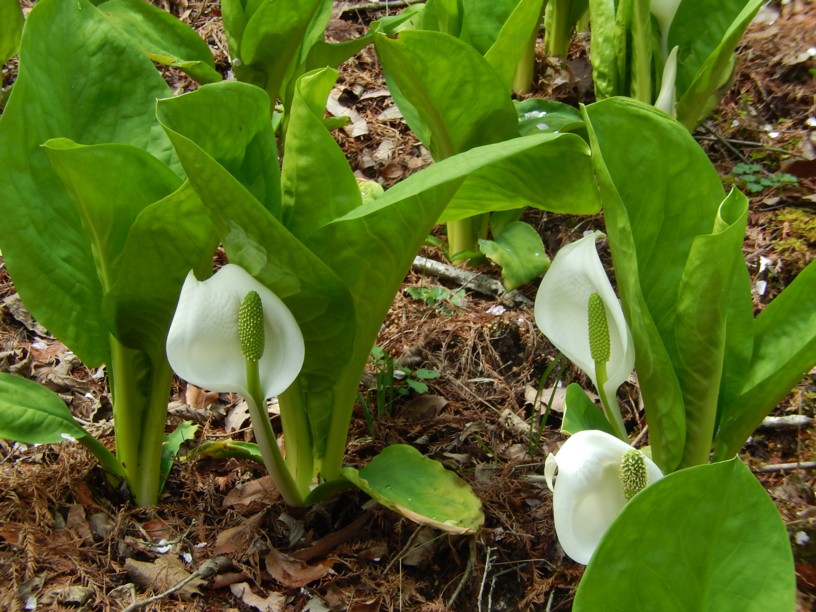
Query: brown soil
[[70, 539]]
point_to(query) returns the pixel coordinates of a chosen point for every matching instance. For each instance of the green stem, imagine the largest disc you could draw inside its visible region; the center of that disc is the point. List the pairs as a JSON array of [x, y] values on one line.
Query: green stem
[[641, 52], [557, 32], [525, 70], [266, 439], [139, 419], [297, 437], [610, 407], [464, 234]]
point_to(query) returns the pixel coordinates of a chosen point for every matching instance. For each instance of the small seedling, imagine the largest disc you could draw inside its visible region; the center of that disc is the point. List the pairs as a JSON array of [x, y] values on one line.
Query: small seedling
[[441, 299], [754, 178], [391, 382]]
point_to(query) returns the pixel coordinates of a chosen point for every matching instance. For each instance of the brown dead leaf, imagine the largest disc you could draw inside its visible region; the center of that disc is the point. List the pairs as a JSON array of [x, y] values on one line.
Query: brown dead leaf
[[237, 539], [199, 398], [163, 573], [422, 408], [274, 602], [291, 572], [236, 418], [252, 496], [158, 529], [78, 523]]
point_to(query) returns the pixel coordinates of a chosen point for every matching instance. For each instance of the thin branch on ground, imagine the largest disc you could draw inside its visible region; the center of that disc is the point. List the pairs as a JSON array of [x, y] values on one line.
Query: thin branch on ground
[[469, 280], [378, 6], [206, 570], [786, 467]]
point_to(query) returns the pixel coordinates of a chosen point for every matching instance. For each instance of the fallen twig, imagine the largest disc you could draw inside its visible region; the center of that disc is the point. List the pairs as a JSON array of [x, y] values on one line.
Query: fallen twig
[[469, 280], [786, 467], [786, 422], [205, 570]]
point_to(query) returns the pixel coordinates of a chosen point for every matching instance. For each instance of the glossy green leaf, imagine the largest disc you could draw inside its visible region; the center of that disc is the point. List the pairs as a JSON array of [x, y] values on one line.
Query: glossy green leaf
[[658, 196], [32, 414], [311, 199], [482, 20], [536, 115], [442, 16], [557, 178], [605, 46], [519, 252], [11, 27], [581, 413], [167, 240], [68, 47], [784, 351], [704, 538], [164, 38], [172, 443], [274, 36], [419, 488], [505, 54], [110, 185], [470, 107], [701, 326], [707, 33]]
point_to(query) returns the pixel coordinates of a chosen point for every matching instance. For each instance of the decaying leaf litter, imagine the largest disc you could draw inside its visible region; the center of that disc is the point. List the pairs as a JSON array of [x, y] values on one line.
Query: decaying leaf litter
[[68, 539]]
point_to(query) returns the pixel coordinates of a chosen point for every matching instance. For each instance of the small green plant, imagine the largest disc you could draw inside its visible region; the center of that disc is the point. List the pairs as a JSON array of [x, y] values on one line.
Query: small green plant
[[390, 383], [754, 178], [441, 299]]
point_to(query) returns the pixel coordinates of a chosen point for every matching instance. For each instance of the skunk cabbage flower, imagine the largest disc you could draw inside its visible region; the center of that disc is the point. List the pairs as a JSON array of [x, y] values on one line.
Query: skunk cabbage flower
[[204, 346], [577, 309], [664, 11], [596, 475]]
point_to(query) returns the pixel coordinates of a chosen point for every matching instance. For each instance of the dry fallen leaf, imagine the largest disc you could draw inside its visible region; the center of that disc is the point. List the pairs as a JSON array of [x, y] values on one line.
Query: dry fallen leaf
[[78, 523], [163, 573], [274, 602], [250, 497], [238, 539], [291, 572]]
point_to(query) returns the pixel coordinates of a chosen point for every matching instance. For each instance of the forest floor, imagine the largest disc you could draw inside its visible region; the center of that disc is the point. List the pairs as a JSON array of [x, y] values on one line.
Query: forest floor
[[67, 539]]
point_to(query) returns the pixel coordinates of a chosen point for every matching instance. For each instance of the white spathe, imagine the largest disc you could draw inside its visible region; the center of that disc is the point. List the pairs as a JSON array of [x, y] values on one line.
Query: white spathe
[[562, 312], [667, 98], [203, 346], [664, 11], [588, 493]]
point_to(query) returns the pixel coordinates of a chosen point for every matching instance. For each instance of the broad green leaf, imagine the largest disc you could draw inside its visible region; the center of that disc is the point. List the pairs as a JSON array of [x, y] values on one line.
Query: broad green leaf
[[231, 125], [641, 52], [444, 16], [172, 443], [167, 240], [703, 538], [419, 488], [703, 301], [708, 33], [227, 449], [110, 185], [164, 38], [312, 198], [658, 195], [468, 108], [581, 413], [519, 252], [557, 178], [34, 415], [506, 53], [482, 20], [784, 351], [11, 27], [536, 115], [271, 42], [68, 47]]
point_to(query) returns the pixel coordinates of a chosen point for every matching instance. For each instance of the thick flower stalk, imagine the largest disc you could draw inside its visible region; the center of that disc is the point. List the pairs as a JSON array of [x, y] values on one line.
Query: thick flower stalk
[[577, 309], [595, 475], [231, 334]]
